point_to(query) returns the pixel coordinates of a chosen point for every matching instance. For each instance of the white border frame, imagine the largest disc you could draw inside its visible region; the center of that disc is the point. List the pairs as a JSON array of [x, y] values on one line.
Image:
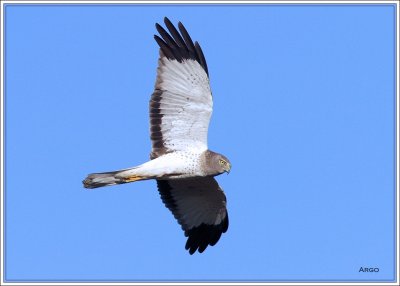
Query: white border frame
[[237, 2]]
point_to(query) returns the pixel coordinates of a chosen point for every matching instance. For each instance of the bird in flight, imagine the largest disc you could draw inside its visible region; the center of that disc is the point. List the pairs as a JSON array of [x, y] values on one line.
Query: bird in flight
[[180, 111]]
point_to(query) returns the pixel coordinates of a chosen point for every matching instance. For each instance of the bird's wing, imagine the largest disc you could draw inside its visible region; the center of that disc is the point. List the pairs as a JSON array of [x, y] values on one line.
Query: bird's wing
[[199, 205], [181, 105]]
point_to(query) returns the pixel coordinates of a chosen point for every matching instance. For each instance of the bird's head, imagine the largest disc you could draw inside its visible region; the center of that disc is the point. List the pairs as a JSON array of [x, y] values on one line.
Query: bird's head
[[223, 164], [215, 164]]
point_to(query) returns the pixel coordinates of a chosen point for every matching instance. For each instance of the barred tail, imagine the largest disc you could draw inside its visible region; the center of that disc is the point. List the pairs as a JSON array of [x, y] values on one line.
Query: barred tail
[[98, 180]]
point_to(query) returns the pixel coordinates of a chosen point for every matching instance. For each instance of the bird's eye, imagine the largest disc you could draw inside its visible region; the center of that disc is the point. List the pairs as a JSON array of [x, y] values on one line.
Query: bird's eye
[[222, 162]]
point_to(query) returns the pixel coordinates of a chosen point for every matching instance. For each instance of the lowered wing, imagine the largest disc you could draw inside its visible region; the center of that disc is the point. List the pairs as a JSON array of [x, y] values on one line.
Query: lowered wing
[[199, 205]]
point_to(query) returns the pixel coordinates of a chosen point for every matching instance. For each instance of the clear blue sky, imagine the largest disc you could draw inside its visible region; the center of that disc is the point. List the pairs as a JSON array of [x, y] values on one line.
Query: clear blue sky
[[303, 107]]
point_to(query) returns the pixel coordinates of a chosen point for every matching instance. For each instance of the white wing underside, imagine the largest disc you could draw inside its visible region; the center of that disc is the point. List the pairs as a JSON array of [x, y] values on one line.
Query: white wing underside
[[180, 107]]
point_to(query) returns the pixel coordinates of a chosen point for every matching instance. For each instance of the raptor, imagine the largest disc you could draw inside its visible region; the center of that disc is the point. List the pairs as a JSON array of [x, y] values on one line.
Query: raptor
[[180, 110]]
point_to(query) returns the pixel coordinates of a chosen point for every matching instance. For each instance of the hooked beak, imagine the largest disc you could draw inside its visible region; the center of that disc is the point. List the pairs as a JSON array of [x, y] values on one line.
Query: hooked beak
[[228, 169]]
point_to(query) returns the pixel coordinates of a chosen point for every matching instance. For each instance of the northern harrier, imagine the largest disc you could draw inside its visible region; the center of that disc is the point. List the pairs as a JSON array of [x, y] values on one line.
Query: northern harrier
[[180, 111]]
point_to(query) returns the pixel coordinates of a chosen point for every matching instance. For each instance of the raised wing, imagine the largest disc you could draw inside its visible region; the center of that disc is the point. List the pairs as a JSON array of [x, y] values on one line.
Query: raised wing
[[199, 205], [181, 105]]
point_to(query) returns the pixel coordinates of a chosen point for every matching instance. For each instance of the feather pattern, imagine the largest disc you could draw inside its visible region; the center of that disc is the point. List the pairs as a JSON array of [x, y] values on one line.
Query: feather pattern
[[180, 110], [199, 205], [181, 105]]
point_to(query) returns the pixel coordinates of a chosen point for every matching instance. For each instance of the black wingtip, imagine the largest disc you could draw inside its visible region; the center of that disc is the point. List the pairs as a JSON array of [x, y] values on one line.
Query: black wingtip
[[179, 46], [200, 237], [166, 20], [158, 26]]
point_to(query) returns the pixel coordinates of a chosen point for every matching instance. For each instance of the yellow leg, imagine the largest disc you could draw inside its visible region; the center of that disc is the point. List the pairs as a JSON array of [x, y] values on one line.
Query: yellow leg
[[132, 179]]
